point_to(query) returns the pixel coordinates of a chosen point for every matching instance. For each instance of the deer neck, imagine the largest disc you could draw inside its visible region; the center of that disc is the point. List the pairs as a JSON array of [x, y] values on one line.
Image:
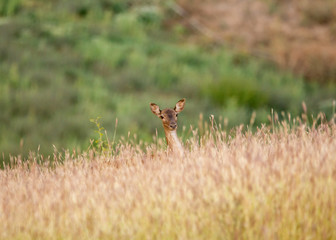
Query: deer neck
[[173, 141]]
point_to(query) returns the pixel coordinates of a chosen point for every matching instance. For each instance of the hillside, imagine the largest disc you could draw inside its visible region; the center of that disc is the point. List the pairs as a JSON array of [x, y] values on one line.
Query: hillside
[[64, 63], [297, 35]]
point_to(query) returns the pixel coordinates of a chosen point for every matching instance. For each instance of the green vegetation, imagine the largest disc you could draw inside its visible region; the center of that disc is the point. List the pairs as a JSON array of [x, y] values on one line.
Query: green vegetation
[[66, 62]]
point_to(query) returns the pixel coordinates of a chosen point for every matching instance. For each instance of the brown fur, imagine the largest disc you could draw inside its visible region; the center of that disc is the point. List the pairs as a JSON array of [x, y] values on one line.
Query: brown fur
[[169, 122]]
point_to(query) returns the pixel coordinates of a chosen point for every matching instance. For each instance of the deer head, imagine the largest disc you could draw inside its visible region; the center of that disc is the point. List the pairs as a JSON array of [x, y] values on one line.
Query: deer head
[[169, 122], [168, 115]]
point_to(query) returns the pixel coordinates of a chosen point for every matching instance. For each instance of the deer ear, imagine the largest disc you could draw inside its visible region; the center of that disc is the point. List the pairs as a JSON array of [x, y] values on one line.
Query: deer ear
[[155, 109], [179, 105]]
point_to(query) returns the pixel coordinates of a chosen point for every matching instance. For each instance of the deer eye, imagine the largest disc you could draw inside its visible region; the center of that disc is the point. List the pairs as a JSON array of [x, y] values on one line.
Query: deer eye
[[176, 114], [161, 117]]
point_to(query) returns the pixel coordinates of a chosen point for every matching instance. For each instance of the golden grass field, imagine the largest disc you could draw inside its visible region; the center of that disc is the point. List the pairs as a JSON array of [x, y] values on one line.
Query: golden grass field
[[275, 183]]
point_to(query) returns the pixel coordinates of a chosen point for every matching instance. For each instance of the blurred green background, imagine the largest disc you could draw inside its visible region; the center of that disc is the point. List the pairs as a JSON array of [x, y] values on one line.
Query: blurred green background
[[63, 63]]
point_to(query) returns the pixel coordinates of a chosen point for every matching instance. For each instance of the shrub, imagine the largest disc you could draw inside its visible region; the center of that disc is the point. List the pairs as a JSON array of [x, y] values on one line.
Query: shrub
[[317, 12], [9, 7]]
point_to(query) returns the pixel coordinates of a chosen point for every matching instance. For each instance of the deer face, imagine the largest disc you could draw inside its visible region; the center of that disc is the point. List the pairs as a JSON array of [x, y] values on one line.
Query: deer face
[[168, 116]]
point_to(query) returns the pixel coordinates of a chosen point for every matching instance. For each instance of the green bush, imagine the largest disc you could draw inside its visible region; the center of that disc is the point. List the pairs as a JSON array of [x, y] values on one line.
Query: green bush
[[9, 7]]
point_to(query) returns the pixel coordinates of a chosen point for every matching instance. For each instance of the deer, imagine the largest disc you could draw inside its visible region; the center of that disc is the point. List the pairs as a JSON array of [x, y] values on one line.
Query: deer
[[169, 122]]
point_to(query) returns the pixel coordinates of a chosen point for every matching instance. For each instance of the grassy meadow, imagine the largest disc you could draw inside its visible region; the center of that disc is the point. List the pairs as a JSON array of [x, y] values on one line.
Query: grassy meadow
[[83, 157], [276, 183]]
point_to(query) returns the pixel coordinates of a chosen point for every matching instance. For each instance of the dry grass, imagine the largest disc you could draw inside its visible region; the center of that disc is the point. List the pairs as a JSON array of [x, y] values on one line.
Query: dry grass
[[269, 184], [284, 31]]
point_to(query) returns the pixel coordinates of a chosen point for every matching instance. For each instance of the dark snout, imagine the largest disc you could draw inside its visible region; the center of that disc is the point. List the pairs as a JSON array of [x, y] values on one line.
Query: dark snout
[[173, 126]]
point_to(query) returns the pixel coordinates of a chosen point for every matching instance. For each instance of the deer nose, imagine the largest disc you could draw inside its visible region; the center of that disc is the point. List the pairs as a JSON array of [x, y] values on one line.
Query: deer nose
[[173, 125]]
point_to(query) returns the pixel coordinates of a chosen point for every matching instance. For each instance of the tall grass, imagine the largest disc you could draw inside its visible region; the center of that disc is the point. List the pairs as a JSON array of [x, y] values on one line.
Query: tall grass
[[276, 183]]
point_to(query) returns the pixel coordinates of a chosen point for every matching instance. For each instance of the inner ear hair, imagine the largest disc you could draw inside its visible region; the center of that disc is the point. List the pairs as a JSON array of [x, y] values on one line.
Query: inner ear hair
[[179, 105], [155, 109]]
